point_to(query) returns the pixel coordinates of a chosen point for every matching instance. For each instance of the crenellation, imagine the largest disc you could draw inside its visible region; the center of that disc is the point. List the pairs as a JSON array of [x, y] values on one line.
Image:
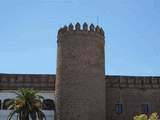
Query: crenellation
[[71, 27], [92, 28], [60, 30], [85, 27], [102, 31], [98, 29], [65, 28], [77, 28]]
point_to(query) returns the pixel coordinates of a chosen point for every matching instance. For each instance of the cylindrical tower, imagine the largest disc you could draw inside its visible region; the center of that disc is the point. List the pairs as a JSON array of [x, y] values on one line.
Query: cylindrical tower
[[80, 78]]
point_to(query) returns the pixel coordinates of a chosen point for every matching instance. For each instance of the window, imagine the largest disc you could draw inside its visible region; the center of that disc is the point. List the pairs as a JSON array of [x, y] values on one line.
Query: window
[[119, 108], [6, 103], [145, 108], [48, 104]]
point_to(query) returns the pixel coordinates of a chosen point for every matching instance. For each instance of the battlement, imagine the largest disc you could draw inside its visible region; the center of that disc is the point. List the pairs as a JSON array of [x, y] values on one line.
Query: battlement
[[47, 82], [141, 82], [36, 81], [85, 28]]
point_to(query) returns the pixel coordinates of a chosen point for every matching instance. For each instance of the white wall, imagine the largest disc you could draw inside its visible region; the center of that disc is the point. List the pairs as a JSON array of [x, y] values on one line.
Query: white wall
[[10, 94], [4, 113]]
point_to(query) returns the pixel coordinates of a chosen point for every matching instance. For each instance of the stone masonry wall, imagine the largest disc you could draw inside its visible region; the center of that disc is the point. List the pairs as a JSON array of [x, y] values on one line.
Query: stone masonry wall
[[36, 81], [132, 93], [80, 78]]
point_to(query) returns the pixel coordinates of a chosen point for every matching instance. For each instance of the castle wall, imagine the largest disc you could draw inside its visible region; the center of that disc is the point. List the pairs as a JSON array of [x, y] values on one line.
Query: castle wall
[[37, 81], [132, 93]]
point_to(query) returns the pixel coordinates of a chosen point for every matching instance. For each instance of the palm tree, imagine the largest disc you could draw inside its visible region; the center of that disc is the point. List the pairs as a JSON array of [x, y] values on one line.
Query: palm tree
[[27, 105]]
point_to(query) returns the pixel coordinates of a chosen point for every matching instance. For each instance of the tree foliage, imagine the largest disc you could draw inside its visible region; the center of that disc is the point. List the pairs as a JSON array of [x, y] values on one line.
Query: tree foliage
[[27, 105], [153, 116]]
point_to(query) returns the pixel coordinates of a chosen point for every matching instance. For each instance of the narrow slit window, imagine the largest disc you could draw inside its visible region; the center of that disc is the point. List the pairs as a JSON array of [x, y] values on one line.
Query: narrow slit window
[[145, 108], [119, 108]]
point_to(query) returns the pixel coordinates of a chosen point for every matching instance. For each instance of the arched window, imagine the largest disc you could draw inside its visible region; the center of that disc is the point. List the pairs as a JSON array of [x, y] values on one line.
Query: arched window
[[48, 104], [6, 103]]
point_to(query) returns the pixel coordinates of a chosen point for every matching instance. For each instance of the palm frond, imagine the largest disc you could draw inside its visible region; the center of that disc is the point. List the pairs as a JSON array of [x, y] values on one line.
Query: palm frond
[[41, 115], [33, 115], [27, 104], [10, 104], [13, 112]]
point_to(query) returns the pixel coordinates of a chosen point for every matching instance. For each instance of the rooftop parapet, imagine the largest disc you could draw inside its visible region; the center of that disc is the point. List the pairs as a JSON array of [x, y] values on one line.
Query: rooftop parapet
[[36, 81], [81, 28], [141, 82]]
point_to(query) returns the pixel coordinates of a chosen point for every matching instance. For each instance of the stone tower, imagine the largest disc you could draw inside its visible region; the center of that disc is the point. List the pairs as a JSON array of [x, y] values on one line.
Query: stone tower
[[80, 80]]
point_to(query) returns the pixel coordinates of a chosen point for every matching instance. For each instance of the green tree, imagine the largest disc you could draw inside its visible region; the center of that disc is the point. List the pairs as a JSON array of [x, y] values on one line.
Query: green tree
[[153, 116], [141, 117], [27, 105]]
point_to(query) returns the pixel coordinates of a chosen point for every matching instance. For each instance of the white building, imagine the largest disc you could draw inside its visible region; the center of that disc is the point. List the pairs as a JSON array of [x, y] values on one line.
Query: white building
[[9, 83]]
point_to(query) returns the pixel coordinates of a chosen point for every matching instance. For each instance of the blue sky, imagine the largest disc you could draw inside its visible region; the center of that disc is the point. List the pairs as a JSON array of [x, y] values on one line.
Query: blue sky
[[28, 31]]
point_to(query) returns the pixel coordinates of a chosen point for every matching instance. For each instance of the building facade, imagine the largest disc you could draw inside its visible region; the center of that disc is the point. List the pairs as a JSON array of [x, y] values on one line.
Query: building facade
[[43, 83], [126, 96], [83, 91]]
